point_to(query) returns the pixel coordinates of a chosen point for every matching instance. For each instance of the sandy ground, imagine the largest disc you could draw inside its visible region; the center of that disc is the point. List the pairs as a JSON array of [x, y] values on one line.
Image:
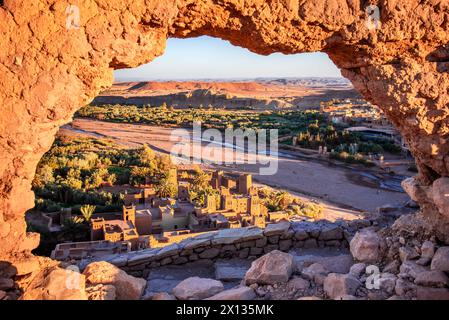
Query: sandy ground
[[341, 190]]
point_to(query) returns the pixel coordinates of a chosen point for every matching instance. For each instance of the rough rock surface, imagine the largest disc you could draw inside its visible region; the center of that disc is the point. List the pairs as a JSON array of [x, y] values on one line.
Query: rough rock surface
[[271, 268], [339, 285], [440, 260], [127, 287], [57, 284], [239, 293], [101, 292], [365, 246], [196, 288], [49, 70]]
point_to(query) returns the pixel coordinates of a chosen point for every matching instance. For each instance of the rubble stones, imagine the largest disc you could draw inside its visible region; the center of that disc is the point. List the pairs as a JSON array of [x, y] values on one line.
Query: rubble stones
[[440, 260], [271, 268], [365, 246], [337, 285]]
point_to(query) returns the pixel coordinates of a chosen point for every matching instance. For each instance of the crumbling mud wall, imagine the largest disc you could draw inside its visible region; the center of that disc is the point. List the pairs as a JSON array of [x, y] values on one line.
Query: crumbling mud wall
[[55, 58]]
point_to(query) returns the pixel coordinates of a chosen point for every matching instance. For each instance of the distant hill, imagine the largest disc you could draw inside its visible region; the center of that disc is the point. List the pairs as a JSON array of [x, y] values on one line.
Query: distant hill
[[266, 93]]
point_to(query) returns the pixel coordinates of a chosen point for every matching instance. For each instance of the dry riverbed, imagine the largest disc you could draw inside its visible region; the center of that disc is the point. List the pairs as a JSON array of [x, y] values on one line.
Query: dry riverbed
[[334, 186]]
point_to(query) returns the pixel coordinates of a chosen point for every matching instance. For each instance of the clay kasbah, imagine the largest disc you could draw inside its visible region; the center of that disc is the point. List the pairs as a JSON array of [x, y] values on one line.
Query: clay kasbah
[[74, 226]]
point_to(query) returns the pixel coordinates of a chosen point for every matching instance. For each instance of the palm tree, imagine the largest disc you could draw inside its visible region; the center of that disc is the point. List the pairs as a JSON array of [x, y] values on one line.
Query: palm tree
[[87, 211], [164, 188]]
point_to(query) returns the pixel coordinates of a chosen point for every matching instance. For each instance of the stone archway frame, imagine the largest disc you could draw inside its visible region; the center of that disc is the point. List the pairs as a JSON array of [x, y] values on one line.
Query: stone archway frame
[[52, 63]]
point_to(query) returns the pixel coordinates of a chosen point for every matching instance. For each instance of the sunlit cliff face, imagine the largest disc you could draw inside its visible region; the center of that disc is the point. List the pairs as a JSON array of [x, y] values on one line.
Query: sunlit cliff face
[[56, 58]]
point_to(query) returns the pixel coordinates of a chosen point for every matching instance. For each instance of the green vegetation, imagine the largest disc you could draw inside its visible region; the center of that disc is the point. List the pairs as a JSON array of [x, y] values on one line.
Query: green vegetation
[[284, 201], [287, 122], [311, 128], [75, 171]]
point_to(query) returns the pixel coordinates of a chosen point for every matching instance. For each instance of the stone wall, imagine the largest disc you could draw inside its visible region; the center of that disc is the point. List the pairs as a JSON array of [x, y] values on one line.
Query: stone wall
[[243, 243]]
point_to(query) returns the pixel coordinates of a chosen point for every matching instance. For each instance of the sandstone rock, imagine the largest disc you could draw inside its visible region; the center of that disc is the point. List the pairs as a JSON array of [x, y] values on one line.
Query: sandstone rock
[[440, 195], [298, 283], [407, 253], [6, 284], [58, 284], [315, 272], [365, 246], [425, 293], [127, 287], [427, 253], [428, 249], [239, 293], [411, 92], [26, 266], [163, 296], [7, 270], [357, 269], [279, 228], [271, 268], [434, 278], [404, 287], [410, 270], [101, 292], [392, 267], [440, 260], [387, 282], [195, 288], [337, 285]]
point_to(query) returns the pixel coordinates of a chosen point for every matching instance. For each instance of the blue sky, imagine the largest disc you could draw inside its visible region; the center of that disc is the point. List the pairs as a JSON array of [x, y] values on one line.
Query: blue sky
[[206, 57]]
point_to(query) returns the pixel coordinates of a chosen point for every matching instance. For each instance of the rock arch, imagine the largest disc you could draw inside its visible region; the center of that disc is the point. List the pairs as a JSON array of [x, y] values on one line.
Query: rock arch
[[48, 71]]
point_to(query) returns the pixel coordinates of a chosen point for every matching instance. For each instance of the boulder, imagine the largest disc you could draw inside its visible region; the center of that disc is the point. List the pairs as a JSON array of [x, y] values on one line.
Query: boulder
[[315, 272], [239, 293], [427, 253], [407, 253], [365, 246], [274, 229], [58, 284], [404, 287], [6, 283], [337, 285], [274, 267], [410, 270], [387, 282], [433, 278], [440, 260], [357, 269], [196, 288], [425, 293], [101, 292], [127, 287], [439, 194]]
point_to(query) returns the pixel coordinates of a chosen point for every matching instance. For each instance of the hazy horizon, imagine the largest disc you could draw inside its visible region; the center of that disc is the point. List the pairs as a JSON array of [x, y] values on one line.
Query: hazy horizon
[[206, 58]]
